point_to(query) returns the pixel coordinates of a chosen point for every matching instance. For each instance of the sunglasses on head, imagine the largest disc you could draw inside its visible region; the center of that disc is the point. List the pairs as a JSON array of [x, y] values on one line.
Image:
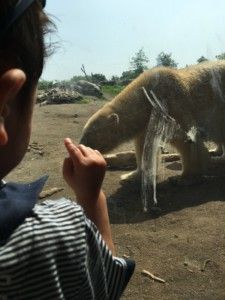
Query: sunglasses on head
[[15, 13]]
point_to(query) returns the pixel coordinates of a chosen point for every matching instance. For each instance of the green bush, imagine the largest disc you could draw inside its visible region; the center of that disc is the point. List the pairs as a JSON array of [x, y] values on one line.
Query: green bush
[[112, 90]]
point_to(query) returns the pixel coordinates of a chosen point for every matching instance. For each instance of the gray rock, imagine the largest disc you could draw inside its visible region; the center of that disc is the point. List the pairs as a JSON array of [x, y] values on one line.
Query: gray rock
[[87, 88]]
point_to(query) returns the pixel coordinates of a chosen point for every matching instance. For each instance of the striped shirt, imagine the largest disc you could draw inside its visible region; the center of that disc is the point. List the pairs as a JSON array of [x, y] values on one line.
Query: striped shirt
[[55, 252]]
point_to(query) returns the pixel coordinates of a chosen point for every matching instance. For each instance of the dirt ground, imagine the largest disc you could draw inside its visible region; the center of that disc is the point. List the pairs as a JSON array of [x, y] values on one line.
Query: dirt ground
[[184, 244]]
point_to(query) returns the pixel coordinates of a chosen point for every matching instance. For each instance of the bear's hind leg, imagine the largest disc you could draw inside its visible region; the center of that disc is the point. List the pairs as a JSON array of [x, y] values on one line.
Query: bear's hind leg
[[195, 160]]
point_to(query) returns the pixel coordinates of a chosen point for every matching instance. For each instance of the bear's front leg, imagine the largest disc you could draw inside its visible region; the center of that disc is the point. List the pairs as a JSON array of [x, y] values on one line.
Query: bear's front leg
[[139, 146]]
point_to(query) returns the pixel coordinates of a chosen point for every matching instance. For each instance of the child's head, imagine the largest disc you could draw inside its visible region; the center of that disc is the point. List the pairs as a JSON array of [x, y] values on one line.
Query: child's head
[[22, 53]]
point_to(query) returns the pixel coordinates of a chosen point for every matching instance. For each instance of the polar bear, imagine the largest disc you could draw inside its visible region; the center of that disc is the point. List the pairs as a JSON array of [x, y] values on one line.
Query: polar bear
[[194, 97]]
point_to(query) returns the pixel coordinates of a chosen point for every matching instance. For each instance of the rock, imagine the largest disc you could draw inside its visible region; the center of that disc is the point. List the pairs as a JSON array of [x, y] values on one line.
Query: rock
[[121, 160], [87, 88]]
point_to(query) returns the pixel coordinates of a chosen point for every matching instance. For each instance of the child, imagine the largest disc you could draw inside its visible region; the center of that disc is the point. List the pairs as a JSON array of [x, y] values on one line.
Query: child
[[56, 249]]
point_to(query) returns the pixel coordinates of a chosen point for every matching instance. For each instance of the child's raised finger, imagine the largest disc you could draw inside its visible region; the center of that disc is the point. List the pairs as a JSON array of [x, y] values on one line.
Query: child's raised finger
[[73, 150], [99, 153], [86, 151]]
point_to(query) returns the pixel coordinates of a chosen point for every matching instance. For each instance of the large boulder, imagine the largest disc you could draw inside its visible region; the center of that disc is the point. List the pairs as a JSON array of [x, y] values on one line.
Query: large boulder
[[87, 88], [58, 96]]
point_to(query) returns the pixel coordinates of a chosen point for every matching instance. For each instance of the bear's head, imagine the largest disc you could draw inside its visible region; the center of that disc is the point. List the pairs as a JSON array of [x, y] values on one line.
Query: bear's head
[[101, 131]]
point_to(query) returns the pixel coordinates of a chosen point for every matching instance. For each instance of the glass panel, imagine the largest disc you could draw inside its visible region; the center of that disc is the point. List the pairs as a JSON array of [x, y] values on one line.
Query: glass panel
[[154, 72]]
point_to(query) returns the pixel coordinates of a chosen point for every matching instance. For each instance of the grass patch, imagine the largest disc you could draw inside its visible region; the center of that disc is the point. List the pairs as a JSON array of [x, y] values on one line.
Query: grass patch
[[85, 101], [112, 90]]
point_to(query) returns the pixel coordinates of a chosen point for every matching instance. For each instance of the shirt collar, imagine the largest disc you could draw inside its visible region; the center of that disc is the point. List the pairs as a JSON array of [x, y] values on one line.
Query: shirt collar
[[16, 203]]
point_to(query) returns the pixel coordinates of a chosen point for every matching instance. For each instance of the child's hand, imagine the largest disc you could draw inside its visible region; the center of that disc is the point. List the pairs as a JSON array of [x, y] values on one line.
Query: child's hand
[[84, 171]]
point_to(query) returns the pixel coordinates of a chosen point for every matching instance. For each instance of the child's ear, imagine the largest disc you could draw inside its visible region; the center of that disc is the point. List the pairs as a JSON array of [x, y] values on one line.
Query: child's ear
[[11, 82]]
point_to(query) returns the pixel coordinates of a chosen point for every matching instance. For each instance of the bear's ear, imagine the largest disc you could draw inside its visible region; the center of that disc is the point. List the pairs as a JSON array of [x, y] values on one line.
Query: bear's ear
[[114, 118]]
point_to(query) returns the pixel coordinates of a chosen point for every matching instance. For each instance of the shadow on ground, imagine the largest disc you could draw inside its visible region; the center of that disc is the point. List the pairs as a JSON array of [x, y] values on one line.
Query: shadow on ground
[[125, 205]]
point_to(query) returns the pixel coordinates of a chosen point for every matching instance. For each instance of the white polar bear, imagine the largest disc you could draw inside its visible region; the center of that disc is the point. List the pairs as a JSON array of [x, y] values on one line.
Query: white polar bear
[[194, 97]]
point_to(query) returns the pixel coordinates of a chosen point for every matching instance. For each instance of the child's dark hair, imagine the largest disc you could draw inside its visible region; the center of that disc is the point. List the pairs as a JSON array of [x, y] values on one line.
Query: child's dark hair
[[23, 45]]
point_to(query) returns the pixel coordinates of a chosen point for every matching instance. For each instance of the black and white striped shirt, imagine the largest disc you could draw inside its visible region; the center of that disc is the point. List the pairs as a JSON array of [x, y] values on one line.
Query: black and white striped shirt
[[55, 252]]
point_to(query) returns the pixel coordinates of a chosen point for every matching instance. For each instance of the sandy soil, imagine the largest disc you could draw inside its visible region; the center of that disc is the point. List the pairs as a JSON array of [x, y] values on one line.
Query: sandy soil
[[184, 245]]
